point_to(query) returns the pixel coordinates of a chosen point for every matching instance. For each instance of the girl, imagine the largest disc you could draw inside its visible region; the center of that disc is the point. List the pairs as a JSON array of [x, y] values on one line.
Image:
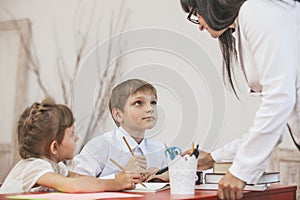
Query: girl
[[46, 137], [264, 37]]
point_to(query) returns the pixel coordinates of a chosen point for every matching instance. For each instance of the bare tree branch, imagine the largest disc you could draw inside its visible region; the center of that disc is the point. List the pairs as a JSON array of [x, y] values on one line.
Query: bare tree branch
[[30, 50], [108, 78]]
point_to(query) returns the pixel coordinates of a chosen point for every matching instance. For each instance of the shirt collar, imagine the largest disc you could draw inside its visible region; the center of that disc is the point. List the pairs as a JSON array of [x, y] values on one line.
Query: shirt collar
[[120, 132], [236, 30]]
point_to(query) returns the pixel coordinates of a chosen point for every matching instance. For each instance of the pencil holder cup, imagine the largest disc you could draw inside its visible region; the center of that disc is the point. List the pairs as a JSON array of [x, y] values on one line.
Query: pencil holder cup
[[182, 173]]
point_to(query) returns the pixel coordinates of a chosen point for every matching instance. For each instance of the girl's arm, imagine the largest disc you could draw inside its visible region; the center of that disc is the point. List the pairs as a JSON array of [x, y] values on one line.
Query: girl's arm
[[72, 174], [80, 183]]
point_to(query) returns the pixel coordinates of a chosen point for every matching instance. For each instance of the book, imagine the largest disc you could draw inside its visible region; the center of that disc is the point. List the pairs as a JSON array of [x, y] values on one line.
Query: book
[[267, 177], [212, 186], [150, 187], [221, 167]]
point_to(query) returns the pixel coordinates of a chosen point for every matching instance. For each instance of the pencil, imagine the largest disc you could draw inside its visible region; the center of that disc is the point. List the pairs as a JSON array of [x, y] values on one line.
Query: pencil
[[117, 164], [128, 146], [167, 148], [123, 169], [192, 149]]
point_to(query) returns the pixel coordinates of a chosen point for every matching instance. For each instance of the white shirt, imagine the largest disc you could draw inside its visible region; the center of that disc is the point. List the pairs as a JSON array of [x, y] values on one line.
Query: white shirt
[[24, 175], [94, 159], [268, 44]]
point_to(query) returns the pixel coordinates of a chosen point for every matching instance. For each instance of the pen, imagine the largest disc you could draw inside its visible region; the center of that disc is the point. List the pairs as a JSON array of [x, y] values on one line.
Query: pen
[[123, 169], [162, 170], [128, 146], [196, 152]]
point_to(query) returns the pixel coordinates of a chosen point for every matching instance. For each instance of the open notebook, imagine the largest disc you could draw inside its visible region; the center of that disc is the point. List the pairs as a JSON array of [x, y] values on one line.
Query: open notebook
[[151, 187]]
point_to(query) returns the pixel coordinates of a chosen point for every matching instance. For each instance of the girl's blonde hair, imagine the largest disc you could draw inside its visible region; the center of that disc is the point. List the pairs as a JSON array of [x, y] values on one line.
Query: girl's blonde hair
[[39, 125]]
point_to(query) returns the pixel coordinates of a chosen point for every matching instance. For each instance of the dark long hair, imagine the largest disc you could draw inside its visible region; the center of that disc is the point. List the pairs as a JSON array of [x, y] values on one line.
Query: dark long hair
[[220, 14]]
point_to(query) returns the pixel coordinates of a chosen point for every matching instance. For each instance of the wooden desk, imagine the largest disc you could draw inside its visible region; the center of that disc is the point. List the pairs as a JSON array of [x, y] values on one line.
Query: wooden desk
[[275, 192]]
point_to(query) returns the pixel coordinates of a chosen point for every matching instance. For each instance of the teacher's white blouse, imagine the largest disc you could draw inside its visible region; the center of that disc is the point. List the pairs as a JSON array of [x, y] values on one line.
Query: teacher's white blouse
[[268, 45]]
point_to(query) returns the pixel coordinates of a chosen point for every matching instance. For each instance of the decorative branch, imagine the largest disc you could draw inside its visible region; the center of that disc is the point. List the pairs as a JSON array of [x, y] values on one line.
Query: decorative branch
[[30, 50], [107, 79]]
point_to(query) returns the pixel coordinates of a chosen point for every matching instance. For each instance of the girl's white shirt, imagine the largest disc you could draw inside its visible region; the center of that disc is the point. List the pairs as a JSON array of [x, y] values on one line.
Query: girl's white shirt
[[268, 45], [24, 175]]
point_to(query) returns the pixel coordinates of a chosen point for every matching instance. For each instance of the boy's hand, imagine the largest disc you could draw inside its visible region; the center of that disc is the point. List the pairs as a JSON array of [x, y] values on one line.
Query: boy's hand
[[145, 175], [164, 177], [126, 180], [136, 164]]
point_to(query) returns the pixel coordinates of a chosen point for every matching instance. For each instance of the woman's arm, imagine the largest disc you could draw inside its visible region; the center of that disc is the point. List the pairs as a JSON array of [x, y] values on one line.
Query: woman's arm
[[269, 58]]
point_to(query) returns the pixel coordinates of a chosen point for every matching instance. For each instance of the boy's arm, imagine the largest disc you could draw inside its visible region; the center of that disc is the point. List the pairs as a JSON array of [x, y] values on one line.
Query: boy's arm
[[90, 161], [85, 165]]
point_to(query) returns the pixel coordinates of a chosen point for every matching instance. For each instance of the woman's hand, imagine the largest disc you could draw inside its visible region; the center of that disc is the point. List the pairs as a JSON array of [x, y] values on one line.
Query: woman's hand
[[205, 161], [230, 187]]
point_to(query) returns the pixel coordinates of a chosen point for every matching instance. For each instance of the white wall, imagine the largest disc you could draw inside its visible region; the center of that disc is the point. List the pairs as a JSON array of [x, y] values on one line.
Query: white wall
[[179, 77]]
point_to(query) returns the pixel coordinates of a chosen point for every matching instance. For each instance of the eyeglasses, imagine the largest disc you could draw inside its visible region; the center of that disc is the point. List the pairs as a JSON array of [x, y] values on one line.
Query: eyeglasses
[[192, 16]]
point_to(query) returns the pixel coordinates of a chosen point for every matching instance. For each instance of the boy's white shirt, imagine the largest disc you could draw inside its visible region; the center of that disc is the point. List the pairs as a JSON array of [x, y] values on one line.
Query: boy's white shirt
[[94, 159]]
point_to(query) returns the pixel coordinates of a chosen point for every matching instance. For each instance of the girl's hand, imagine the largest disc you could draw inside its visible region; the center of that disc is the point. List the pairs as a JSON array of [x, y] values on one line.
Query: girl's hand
[[126, 180]]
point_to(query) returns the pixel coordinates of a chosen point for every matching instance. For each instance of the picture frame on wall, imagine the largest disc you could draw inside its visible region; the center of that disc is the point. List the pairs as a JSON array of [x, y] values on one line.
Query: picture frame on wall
[[14, 65]]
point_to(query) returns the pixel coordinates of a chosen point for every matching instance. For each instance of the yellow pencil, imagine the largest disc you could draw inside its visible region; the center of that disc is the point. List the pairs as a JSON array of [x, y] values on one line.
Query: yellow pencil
[[128, 146], [117, 164], [123, 169], [193, 148]]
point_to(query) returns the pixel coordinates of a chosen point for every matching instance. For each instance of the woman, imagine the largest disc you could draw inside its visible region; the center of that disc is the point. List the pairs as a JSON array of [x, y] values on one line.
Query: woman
[[264, 37]]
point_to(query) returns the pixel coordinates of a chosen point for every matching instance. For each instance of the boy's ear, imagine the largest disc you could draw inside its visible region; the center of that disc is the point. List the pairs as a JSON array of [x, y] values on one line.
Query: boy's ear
[[117, 115], [53, 148]]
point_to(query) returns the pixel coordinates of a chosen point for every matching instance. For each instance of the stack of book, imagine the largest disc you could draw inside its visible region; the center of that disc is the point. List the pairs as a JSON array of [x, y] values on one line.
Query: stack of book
[[211, 180], [221, 167]]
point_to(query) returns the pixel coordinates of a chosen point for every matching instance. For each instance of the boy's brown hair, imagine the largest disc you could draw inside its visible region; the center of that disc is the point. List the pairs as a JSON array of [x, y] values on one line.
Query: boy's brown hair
[[124, 90]]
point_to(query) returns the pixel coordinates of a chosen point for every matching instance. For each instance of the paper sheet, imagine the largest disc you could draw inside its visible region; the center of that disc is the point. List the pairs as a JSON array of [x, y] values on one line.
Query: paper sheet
[[151, 187], [75, 196]]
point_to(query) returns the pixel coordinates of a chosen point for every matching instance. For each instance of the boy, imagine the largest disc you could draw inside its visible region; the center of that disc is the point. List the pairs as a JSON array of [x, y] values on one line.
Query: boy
[[133, 107]]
